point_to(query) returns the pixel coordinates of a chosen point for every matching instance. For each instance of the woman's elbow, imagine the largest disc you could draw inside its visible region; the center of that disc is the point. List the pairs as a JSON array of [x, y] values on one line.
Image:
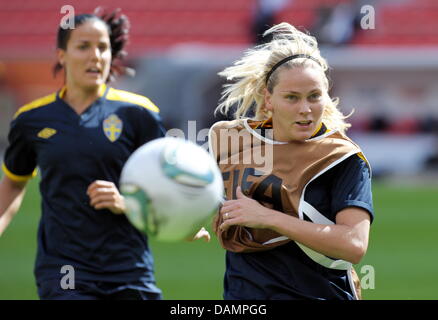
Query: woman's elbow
[[357, 251]]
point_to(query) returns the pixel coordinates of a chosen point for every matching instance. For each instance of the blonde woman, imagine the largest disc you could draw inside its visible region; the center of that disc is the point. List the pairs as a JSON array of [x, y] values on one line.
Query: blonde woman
[[294, 230]]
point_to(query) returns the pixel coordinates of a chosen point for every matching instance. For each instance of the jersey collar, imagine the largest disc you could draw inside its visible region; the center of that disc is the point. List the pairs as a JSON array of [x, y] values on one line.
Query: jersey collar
[[103, 90]]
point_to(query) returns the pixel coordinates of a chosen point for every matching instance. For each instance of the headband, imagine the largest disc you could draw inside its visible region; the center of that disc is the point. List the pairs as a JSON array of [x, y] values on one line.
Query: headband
[[295, 56]]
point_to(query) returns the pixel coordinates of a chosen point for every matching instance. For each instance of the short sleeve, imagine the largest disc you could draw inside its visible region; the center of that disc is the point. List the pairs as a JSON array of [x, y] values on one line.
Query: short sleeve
[[351, 186], [19, 160], [150, 126]]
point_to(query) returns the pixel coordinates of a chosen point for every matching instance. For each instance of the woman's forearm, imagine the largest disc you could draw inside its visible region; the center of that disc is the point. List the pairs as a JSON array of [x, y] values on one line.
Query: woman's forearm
[[337, 241], [11, 196]]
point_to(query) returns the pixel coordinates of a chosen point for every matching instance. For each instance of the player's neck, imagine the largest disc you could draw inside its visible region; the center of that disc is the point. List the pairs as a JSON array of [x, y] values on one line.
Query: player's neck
[[80, 99]]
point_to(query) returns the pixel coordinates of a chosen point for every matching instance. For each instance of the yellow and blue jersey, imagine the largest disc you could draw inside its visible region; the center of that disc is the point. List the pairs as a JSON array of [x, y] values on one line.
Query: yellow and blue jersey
[[71, 151]]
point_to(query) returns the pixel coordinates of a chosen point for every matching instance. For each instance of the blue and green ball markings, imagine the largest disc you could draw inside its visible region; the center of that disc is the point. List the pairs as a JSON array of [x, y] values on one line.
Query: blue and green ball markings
[[173, 170], [140, 211]]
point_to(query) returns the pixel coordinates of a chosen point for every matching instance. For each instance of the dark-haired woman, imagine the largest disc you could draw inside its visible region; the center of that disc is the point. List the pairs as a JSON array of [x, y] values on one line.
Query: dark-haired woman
[[80, 137]]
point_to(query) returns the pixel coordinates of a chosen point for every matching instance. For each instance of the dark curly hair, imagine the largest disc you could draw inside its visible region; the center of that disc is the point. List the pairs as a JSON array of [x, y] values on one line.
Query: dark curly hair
[[118, 29]]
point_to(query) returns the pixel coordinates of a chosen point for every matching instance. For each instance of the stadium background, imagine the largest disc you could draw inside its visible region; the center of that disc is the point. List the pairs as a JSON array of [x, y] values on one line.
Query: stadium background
[[388, 75]]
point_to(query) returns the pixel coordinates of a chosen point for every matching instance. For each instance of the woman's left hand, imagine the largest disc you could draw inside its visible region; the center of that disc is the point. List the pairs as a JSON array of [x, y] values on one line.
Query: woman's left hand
[[245, 211], [105, 195]]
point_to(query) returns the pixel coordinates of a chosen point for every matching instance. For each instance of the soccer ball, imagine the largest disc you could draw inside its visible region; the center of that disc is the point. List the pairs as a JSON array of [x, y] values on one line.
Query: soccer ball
[[172, 187]]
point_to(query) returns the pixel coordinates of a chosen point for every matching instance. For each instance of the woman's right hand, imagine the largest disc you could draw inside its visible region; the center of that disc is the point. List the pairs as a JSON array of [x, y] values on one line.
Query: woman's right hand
[[203, 233], [105, 195], [246, 212]]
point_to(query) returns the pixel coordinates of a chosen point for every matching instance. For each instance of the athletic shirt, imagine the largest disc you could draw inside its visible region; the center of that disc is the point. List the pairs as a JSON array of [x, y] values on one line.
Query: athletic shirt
[[312, 180], [72, 151]]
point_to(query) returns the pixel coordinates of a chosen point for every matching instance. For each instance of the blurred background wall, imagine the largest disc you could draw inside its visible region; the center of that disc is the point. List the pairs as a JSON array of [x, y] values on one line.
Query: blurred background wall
[[386, 74]]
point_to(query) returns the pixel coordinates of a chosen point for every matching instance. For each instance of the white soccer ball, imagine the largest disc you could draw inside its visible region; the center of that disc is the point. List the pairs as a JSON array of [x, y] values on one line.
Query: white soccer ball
[[172, 187]]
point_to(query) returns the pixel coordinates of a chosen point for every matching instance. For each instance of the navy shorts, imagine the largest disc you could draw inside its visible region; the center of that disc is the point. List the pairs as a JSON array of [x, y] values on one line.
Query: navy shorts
[[87, 290]]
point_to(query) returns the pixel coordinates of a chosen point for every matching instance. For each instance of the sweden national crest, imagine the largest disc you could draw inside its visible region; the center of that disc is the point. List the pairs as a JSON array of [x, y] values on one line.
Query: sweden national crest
[[112, 127]]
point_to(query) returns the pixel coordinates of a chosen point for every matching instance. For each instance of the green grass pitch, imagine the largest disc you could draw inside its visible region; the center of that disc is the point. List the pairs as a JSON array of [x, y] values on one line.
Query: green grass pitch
[[402, 251]]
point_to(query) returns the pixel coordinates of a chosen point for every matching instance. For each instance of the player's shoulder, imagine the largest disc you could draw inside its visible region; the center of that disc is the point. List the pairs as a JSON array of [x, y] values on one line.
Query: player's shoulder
[[36, 104], [131, 98], [227, 125], [356, 164], [358, 157]]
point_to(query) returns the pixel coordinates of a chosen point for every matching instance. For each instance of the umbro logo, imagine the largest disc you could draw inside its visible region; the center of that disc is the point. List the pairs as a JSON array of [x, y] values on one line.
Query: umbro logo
[[46, 133]]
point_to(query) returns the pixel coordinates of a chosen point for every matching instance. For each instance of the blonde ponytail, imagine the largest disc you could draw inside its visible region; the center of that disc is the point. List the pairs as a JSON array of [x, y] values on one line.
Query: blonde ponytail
[[248, 75]]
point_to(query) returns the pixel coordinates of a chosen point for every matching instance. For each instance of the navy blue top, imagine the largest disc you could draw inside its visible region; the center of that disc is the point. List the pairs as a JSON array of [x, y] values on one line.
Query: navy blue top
[[72, 151], [286, 272]]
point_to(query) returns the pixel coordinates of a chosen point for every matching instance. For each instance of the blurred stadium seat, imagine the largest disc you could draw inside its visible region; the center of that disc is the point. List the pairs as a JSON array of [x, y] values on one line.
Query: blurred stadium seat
[[389, 58], [27, 27]]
